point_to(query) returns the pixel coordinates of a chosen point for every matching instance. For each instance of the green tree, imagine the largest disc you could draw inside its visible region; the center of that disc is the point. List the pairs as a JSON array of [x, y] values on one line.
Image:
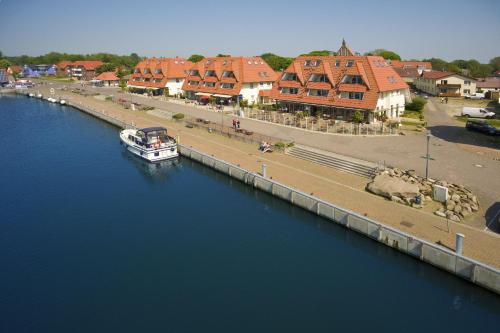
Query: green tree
[[386, 54], [223, 55], [122, 84], [319, 53], [495, 63], [417, 104], [4, 63], [276, 62], [105, 68], [437, 63], [196, 58], [357, 117]]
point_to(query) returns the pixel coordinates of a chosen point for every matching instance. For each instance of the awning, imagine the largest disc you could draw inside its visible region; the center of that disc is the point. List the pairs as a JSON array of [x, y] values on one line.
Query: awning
[[142, 87], [223, 96], [203, 94]]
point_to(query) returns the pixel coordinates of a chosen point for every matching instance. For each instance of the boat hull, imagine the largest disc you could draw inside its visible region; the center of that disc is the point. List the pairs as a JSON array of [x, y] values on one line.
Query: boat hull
[[150, 155]]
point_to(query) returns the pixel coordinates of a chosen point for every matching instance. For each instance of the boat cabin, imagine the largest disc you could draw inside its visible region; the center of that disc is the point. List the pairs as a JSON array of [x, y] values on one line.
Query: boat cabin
[[150, 136]]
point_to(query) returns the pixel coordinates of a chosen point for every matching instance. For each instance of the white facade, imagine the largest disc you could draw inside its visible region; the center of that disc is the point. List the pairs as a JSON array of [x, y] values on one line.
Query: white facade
[[175, 86], [250, 91], [392, 103]]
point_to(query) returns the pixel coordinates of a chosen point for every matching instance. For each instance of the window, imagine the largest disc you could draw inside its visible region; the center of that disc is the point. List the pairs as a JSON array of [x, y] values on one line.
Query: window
[[444, 81], [157, 153], [292, 91], [251, 85], [318, 78], [352, 95], [263, 74], [210, 73], [210, 84], [137, 79], [228, 74], [194, 72], [227, 85], [355, 79], [158, 71], [193, 83], [146, 71], [466, 83], [157, 80], [177, 80], [337, 63], [147, 79], [312, 63], [289, 77], [466, 91], [391, 79], [137, 70], [317, 92], [349, 63]]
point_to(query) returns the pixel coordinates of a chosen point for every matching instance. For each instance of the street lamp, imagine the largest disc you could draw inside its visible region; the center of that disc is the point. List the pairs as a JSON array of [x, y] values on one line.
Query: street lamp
[[427, 156]]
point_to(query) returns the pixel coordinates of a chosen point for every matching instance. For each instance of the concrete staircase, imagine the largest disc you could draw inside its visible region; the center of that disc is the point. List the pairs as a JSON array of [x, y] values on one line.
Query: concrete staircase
[[332, 160]]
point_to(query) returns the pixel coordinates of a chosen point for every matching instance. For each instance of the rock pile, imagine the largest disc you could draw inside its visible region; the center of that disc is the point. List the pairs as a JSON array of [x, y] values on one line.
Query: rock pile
[[406, 187]]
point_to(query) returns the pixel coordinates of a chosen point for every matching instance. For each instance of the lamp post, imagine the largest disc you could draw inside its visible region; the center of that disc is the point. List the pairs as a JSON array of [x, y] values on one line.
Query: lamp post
[[427, 156]]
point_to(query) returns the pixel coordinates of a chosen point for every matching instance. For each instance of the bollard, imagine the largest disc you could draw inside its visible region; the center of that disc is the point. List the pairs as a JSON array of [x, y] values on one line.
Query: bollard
[[264, 169], [459, 243]]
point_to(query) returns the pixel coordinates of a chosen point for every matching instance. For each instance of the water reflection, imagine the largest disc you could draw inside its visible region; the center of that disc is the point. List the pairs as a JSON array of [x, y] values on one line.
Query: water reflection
[[153, 172]]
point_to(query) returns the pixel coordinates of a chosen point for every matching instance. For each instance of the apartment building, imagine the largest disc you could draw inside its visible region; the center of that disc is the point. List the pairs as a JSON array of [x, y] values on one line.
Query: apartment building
[[80, 70], [229, 79], [445, 84], [338, 86], [160, 75]]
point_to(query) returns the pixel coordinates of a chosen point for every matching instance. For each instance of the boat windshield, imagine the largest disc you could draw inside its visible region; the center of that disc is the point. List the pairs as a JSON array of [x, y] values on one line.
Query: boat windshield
[[151, 136]]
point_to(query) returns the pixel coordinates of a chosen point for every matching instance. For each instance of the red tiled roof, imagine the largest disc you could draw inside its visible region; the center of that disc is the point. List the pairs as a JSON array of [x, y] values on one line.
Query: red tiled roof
[[436, 74], [489, 82], [107, 76], [411, 64], [169, 68], [265, 93], [63, 64], [376, 77], [89, 65], [407, 72], [245, 70]]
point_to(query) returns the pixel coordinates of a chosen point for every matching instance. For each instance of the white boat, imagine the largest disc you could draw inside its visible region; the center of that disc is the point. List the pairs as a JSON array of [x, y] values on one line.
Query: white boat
[[39, 95], [31, 95], [152, 143], [62, 101]]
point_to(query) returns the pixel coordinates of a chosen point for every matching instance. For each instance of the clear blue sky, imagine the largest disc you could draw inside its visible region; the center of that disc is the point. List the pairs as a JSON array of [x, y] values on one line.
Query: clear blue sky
[[415, 29]]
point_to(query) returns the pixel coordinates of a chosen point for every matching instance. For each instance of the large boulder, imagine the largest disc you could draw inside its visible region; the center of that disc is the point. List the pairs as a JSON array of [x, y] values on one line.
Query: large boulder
[[387, 186]]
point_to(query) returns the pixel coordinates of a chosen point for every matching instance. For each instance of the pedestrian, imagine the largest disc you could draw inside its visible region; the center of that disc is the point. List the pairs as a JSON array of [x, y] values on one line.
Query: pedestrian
[[446, 99], [442, 100], [238, 123], [234, 124]]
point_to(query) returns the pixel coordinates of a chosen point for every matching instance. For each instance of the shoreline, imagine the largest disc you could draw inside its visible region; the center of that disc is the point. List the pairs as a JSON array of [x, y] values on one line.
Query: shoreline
[[470, 269]]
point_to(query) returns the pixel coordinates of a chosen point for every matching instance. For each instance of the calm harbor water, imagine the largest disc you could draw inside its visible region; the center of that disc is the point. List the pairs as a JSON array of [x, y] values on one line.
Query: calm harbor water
[[95, 240]]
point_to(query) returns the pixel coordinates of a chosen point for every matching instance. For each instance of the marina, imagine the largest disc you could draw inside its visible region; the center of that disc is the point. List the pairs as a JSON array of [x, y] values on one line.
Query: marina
[[91, 256]]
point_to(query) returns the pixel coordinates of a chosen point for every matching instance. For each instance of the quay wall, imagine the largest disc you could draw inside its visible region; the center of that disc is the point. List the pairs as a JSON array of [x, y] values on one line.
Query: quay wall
[[466, 268]]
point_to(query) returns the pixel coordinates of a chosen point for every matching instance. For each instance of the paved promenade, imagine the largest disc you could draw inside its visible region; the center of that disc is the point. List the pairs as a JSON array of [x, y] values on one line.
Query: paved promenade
[[343, 189]]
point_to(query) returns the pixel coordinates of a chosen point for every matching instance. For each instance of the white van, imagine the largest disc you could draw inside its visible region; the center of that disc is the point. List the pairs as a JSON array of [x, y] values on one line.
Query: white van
[[475, 96], [477, 112]]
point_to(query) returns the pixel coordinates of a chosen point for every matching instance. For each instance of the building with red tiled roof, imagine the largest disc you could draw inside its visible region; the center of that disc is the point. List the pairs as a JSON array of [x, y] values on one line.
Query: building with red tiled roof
[[108, 78], [445, 84], [489, 84], [340, 85], [229, 79], [419, 65], [81, 69], [160, 74]]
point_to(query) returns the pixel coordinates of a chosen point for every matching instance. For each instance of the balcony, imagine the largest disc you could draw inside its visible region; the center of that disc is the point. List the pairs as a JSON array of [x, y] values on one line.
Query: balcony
[[449, 85]]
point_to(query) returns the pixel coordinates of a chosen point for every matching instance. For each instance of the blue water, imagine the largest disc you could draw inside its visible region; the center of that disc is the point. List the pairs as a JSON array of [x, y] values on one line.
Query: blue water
[[95, 240]]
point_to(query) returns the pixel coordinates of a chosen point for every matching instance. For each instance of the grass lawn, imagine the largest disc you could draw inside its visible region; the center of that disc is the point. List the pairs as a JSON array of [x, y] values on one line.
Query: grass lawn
[[492, 122], [412, 114]]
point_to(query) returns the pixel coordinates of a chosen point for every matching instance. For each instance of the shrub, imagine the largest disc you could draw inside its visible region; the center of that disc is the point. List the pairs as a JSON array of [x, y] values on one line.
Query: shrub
[[178, 116], [357, 117], [417, 104], [108, 98]]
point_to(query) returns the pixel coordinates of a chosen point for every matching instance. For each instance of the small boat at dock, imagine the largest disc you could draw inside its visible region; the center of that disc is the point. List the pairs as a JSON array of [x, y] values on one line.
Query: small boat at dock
[[151, 143]]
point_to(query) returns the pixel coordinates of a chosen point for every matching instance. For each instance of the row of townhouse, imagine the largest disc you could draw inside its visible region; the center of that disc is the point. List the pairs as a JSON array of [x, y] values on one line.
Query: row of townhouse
[[80, 70], [334, 85]]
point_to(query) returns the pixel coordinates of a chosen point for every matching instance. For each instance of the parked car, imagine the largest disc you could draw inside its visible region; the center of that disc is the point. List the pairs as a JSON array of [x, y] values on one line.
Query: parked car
[[481, 126], [477, 112], [475, 96]]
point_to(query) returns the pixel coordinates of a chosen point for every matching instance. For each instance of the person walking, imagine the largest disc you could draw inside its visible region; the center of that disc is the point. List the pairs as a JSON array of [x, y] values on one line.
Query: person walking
[[238, 123], [234, 124]]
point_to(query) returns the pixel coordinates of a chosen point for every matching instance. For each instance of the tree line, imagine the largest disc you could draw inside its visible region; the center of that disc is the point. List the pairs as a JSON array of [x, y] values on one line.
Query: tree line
[[125, 63]]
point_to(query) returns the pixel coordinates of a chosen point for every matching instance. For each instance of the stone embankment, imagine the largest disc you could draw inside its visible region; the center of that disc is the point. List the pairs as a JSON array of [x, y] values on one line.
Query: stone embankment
[[406, 187]]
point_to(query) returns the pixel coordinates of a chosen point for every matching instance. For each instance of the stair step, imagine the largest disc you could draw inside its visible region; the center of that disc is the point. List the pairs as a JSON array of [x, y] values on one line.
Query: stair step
[[360, 168]]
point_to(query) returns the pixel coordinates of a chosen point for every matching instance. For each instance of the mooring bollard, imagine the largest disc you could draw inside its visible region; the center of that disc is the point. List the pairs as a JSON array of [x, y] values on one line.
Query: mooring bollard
[[459, 243], [264, 169]]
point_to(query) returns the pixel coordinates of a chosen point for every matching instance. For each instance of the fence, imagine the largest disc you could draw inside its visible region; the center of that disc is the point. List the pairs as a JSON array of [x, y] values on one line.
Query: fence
[[469, 269]]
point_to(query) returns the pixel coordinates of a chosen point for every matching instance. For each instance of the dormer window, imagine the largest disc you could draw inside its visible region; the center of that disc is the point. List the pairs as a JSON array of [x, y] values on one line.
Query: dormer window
[[158, 71], [337, 63], [194, 72], [210, 73], [349, 63], [317, 92], [193, 83], [289, 77], [312, 63], [228, 74], [391, 79], [352, 95], [263, 74], [146, 71], [210, 84], [137, 70], [292, 91], [354, 79], [227, 85], [318, 78]]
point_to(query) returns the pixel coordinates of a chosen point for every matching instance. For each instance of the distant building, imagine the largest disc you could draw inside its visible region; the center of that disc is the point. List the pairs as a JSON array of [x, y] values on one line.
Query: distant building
[[80, 70], [410, 70], [488, 84], [445, 84], [108, 79], [338, 86], [38, 70], [229, 79], [4, 78], [160, 74]]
